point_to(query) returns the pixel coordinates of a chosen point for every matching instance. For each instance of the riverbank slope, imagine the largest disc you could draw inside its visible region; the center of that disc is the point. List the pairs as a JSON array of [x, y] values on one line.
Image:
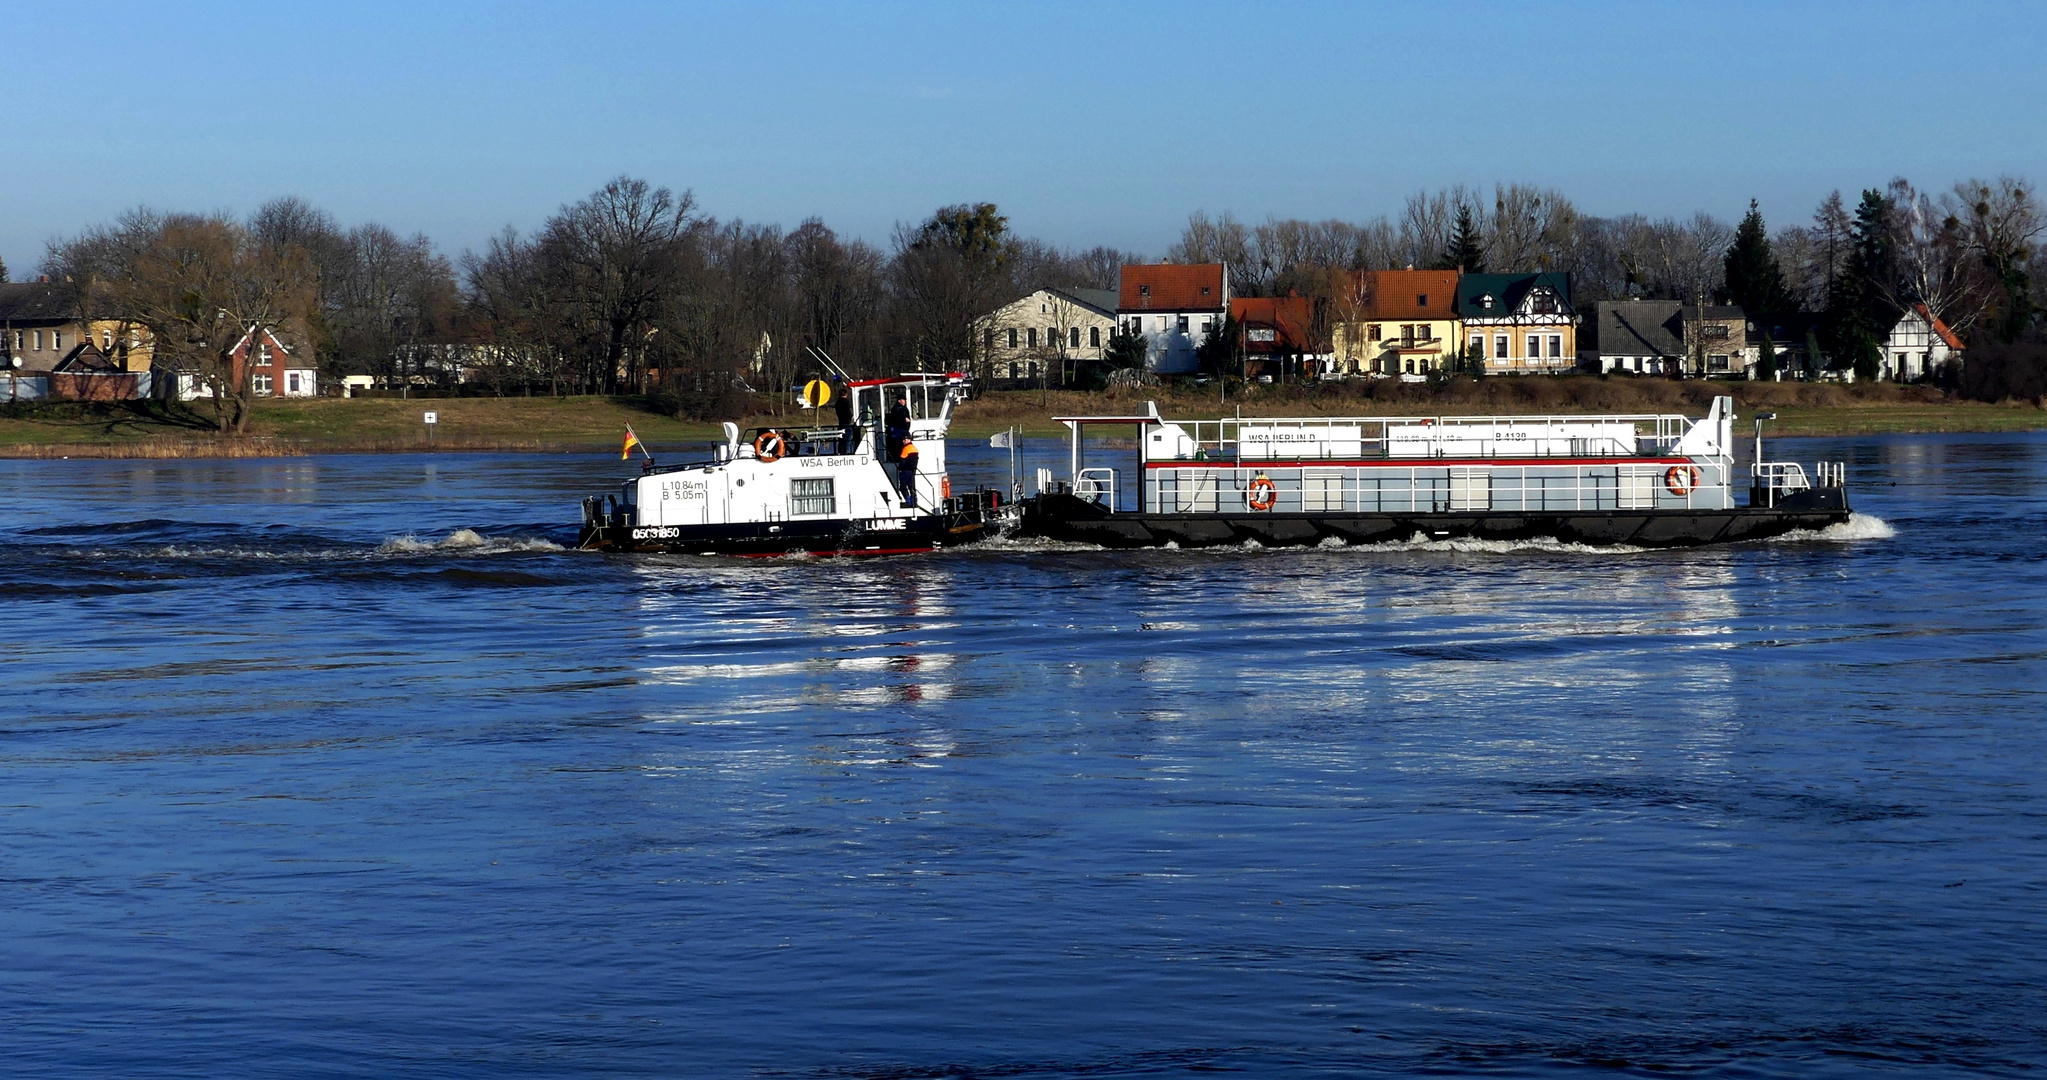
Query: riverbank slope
[[543, 424]]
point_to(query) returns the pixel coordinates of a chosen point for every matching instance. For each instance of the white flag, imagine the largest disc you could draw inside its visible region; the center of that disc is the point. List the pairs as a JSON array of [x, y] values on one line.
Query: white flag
[[1002, 441]]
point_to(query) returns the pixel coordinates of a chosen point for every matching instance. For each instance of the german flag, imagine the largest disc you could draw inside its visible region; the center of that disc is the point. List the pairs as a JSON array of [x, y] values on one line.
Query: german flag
[[631, 440]]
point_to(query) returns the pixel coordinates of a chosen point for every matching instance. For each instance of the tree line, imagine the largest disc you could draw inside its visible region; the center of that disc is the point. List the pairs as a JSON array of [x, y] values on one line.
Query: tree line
[[634, 289]]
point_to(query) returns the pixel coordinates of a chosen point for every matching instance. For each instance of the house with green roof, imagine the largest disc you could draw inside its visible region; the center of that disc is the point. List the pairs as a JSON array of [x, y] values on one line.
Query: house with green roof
[[1518, 324]]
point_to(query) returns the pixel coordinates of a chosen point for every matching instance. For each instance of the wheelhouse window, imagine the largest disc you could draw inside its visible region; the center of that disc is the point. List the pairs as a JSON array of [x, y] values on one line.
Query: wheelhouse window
[[814, 496]]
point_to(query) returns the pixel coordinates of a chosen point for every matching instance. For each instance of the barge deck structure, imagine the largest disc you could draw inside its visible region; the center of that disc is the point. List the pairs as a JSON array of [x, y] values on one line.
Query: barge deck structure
[[1649, 480]]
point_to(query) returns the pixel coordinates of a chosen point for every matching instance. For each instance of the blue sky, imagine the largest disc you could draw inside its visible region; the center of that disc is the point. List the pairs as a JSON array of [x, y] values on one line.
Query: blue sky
[[1086, 123]]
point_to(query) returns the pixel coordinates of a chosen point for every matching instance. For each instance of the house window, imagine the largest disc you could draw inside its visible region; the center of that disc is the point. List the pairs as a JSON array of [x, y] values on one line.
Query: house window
[[1031, 337], [1204, 290], [263, 355], [17, 341], [1406, 336], [57, 340], [1180, 324], [1499, 346], [1372, 332], [39, 341], [1422, 300], [263, 383], [1534, 347], [1556, 346], [1052, 336], [1162, 324], [291, 382], [1094, 337], [1012, 337], [1716, 362], [1207, 327], [812, 496], [1144, 290]]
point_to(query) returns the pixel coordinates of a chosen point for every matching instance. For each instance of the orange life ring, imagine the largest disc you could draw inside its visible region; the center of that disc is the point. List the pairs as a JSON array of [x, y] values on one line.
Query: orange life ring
[[945, 486], [769, 446], [1263, 493], [1682, 480]]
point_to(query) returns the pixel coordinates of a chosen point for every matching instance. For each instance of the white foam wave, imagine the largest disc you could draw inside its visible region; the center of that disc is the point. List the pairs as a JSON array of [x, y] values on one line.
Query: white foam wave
[[1857, 527], [464, 541]]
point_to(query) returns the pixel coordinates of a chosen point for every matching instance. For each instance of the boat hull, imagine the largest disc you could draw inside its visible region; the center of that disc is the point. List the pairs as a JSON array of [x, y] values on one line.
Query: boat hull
[[765, 539], [1067, 518]]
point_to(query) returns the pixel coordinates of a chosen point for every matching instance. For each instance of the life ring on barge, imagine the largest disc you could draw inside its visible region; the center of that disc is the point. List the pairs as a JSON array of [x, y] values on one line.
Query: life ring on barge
[[769, 446], [1682, 480], [1263, 493]]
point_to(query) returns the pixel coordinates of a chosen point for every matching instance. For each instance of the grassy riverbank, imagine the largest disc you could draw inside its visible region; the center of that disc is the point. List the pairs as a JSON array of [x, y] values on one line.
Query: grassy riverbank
[[337, 425]]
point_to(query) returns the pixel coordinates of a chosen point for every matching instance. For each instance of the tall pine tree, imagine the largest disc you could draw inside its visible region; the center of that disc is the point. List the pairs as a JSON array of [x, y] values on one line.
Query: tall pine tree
[[1754, 280], [1858, 307], [1467, 249]]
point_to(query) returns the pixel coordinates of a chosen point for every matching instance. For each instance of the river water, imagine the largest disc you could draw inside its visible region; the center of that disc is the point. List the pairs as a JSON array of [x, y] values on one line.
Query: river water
[[342, 766]]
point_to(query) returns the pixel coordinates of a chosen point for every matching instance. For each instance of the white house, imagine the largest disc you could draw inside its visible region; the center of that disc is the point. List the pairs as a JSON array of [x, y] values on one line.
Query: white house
[[1176, 308], [1917, 346], [1040, 334]]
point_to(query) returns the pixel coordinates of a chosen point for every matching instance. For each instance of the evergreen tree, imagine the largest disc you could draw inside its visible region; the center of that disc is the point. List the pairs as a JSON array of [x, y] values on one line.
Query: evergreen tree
[[1858, 309], [1127, 349], [1766, 359], [1754, 279], [1218, 354], [1467, 249]]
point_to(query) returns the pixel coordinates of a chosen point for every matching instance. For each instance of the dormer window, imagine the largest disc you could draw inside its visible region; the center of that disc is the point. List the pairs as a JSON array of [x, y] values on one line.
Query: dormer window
[[1422, 300], [1486, 302], [1144, 290]]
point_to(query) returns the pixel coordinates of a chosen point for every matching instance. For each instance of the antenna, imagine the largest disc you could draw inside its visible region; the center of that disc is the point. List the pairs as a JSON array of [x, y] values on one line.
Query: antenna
[[825, 358]]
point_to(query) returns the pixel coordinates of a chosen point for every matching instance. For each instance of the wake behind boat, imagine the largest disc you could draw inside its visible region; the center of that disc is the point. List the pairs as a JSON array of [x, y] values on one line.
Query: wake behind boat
[[1653, 480], [873, 484]]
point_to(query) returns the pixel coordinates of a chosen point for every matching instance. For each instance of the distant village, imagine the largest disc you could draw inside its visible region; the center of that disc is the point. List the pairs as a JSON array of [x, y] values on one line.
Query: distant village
[[1416, 325], [632, 291]]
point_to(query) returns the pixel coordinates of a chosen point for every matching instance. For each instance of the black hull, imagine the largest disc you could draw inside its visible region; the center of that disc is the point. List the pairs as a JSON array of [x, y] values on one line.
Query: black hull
[[770, 539], [1064, 517]]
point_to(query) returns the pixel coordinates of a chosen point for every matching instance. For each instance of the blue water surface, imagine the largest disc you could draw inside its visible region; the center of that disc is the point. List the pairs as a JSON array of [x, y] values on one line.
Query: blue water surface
[[344, 767]]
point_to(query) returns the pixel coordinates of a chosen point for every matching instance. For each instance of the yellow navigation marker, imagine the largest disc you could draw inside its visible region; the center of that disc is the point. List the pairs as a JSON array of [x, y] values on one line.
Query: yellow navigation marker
[[817, 393]]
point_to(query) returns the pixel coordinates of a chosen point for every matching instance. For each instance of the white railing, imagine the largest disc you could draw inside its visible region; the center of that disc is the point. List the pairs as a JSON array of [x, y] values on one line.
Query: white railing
[[1220, 439], [1439, 489], [1094, 484], [1780, 476]]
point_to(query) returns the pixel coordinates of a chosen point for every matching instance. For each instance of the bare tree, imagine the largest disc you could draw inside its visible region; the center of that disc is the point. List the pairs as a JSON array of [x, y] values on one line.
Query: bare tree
[[1532, 229], [615, 258], [199, 284]]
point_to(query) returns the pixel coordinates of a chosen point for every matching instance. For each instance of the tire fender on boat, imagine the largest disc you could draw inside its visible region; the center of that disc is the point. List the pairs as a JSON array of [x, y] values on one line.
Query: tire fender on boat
[[1682, 479], [1263, 493], [769, 446]]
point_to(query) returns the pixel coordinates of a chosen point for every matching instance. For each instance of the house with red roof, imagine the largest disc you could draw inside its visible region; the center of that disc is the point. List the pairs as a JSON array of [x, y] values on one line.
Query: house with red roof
[[1175, 308], [1276, 334], [1398, 322], [1919, 345]]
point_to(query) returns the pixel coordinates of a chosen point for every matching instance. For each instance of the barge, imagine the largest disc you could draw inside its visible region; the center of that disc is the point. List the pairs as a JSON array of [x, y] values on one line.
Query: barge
[[848, 489], [1649, 480]]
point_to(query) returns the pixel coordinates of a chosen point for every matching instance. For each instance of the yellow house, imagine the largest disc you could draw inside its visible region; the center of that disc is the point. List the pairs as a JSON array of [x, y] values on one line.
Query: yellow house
[[1520, 324], [1398, 322]]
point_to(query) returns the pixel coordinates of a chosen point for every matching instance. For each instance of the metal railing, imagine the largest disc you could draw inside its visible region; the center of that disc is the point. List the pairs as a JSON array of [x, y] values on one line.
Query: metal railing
[[1439, 489], [1222, 439], [1093, 484]]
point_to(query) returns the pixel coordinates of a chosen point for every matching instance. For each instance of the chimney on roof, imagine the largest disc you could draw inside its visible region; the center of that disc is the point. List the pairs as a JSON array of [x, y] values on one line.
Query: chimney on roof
[[45, 279]]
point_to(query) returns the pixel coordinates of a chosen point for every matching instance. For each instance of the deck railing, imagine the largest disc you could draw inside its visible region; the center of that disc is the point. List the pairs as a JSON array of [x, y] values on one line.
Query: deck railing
[[1425, 489]]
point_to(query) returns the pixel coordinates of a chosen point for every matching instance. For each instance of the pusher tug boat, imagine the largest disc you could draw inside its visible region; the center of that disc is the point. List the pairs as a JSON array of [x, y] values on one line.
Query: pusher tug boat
[[1651, 480], [841, 490]]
